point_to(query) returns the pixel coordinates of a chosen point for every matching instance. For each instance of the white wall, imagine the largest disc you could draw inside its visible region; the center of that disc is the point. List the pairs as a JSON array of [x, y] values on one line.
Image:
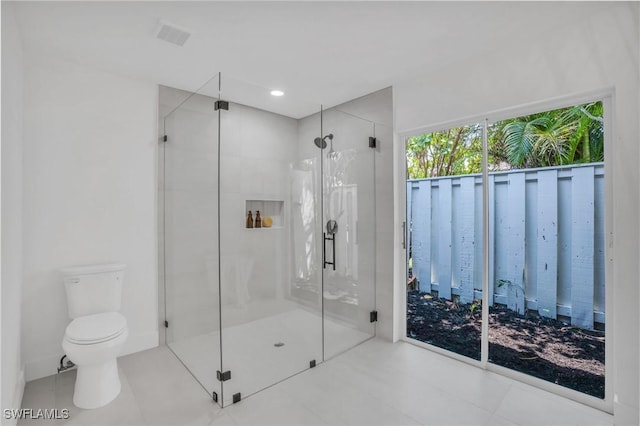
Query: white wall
[[89, 197], [599, 52], [12, 367], [257, 148]]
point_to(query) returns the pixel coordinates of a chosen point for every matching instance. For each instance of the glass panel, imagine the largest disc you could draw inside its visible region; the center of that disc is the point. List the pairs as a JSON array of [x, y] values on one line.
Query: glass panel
[[546, 277], [348, 227], [189, 235], [271, 312], [444, 234]]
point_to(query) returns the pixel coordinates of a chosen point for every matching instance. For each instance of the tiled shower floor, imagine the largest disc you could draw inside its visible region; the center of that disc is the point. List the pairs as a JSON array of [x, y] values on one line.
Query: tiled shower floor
[[252, 357]]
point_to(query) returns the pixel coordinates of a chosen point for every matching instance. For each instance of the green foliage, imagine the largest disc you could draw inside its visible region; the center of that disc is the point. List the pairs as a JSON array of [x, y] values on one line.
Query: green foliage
[[452, 152], [475, 307], [551, 138], [502, 283]]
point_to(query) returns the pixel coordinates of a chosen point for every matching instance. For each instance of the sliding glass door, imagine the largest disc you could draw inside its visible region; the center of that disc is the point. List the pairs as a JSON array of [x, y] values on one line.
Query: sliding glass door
[[547, 313], [544, 213], [444, 212]]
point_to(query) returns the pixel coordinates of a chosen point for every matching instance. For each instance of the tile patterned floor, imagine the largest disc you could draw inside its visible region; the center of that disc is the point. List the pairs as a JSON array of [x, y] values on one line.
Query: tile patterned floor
[[376, 383]]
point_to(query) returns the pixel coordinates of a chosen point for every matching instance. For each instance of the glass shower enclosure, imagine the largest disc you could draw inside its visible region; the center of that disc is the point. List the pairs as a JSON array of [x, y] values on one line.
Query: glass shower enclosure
[[267, 234]]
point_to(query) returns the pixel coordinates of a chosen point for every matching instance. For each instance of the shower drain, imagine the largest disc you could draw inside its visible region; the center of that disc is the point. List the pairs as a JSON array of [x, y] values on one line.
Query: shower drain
[[278, 344]]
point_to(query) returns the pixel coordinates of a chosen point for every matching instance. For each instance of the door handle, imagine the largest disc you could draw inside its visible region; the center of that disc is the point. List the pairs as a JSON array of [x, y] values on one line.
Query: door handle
[[324, 250], [404, 235], [331, 238]]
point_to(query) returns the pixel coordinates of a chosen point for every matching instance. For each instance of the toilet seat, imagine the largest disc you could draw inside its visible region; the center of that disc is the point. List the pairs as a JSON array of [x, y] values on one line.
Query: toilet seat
[[97, 328]]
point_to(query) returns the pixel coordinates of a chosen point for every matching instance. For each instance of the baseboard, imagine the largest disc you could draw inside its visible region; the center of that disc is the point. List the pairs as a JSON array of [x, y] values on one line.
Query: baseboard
[[49, 365]]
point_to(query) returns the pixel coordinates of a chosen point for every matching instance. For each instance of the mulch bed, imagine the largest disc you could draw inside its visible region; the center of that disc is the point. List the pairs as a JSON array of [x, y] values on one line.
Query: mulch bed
[[542, 347]]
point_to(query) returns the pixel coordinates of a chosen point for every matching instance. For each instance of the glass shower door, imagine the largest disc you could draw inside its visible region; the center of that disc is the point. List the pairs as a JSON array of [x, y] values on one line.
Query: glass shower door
[[189, 230], [268, 234], [348, 222], [269, 332]]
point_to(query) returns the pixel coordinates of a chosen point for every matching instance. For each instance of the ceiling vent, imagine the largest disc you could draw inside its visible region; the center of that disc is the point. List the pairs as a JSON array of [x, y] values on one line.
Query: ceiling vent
[[172, 33]]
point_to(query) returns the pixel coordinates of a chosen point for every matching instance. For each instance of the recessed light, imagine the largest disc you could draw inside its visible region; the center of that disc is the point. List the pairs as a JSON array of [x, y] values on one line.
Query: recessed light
[[277, 93]]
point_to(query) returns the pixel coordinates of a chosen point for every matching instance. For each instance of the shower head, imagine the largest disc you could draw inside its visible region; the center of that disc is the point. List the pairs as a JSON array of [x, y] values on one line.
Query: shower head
[[322, 142]]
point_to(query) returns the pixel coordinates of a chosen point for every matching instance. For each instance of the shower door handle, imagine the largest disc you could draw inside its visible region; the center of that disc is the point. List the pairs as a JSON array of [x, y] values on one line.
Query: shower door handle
[[324, 250], [332, 238]]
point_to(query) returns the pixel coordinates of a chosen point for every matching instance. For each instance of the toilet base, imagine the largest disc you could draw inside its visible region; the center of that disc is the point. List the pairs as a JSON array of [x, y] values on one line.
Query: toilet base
[[96, 385]]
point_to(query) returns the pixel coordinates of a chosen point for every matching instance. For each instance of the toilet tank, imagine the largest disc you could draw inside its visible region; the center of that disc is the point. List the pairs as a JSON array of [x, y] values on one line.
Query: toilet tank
[[93, 289]]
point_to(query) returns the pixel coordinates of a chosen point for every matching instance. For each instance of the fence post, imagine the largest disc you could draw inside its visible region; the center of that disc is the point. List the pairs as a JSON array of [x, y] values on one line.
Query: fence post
[[421, 238], [582, 217], [516, 225], [547, 243], [492, 237], [444, 243], [467, 238]]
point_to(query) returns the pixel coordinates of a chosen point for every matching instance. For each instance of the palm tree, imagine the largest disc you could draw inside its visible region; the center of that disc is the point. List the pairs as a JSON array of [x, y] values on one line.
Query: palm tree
[[550, 138], [587, 144]]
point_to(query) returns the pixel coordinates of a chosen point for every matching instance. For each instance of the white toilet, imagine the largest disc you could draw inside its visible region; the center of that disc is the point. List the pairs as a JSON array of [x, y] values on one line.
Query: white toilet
[[97, 333]]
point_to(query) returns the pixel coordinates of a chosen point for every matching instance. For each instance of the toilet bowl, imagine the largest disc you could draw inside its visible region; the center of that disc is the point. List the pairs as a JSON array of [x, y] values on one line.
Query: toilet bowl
[[97, 333], [93, 343]]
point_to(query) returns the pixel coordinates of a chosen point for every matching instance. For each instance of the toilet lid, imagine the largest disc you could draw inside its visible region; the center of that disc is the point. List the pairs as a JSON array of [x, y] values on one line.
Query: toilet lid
[[96, 328]]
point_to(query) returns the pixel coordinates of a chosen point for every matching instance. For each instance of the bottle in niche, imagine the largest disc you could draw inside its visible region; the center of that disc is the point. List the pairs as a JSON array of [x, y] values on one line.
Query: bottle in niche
[[258, 219], [249, 220]]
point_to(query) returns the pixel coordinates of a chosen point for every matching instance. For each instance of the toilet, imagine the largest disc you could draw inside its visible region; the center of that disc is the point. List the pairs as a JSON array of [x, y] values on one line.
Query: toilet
[[95, 336]]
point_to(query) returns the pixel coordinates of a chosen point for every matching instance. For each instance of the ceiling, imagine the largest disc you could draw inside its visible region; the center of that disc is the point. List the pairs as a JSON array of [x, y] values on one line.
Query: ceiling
[[320, 52]]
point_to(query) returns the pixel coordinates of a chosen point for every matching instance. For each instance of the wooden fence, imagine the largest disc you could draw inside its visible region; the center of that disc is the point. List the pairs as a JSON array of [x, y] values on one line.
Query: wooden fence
[[546, 239]]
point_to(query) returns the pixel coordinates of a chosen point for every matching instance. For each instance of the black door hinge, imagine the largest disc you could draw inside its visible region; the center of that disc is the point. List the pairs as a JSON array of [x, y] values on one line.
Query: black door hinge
[[223, 377], [312, 363], [166, 324], [373, 316], [214, 395], [165, 138], [221, 105], [372, 142], [237, 397]]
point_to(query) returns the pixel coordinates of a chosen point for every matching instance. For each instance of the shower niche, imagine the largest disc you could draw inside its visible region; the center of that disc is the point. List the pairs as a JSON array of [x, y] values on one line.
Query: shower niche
[[273, 209], [248, 308]]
